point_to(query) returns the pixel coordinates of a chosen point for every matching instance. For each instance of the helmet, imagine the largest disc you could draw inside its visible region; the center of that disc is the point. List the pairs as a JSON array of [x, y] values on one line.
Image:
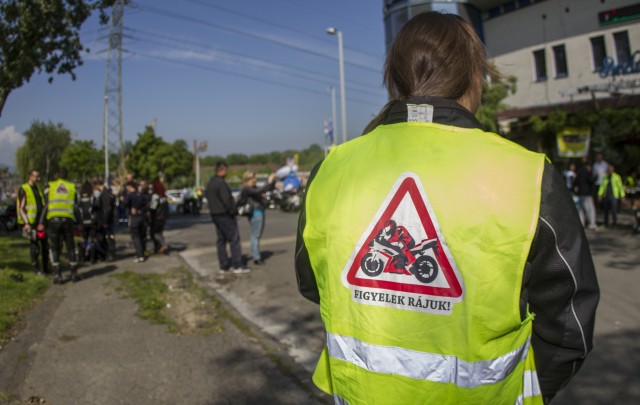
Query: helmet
[[41, 235]]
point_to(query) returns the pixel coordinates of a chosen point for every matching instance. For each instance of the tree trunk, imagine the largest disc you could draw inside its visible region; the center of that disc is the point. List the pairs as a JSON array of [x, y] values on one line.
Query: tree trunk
[[3, 98]]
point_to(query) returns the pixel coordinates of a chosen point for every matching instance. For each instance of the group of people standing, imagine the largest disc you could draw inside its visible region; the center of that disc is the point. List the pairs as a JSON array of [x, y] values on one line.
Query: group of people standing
[[600, 181], [148, 211], [51, 217]]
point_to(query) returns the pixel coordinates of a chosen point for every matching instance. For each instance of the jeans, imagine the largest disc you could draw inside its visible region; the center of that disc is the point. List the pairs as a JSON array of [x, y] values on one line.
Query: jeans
[[589, 210], [610, 205], [257, 226], [227, 232], [137, 230]]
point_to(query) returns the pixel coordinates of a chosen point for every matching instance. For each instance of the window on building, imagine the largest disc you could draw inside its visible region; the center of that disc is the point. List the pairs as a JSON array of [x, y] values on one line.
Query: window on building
[[560, 59], [509, 6], [494, 12], [540, 62], [598, 51], [623, 50]]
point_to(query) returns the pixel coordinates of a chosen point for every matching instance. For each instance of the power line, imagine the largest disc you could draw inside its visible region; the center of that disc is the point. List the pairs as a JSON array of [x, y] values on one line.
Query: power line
[[273, 24], [236, 74], [332, 15], [171, 14], [293, 71]]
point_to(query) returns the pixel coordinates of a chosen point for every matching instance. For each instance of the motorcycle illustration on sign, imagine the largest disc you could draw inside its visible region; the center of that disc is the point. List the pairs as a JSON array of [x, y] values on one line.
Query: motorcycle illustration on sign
[[393, 250]]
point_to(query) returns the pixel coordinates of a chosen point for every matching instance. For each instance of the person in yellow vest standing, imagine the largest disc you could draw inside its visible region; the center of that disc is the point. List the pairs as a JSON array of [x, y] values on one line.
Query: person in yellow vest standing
[[60, 216], [450, 264], [30, 207], [610, 192]]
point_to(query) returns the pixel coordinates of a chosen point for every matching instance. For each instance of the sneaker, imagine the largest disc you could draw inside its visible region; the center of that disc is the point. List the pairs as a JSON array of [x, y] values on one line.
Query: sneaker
[[258, 262], [240, 270], [138, 259]]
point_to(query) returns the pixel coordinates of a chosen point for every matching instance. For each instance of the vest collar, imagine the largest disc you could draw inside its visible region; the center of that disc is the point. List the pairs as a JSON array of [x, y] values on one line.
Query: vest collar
[[445, 111]]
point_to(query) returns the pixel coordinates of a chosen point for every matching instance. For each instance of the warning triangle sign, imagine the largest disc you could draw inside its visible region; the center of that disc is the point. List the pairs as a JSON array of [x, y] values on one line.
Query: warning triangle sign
[[62, 189], [402, 260]]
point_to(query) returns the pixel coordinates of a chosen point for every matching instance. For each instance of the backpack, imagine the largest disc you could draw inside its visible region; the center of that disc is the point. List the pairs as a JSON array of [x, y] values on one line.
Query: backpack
[[87, 216]]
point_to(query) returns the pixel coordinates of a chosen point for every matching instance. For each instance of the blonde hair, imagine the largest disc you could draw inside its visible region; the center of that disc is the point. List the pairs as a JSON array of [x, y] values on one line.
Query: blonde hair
[[248, 175]]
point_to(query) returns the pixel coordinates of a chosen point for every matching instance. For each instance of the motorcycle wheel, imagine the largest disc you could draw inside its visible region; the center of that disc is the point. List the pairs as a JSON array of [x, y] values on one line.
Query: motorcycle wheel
[[371, 265], [425, 269]]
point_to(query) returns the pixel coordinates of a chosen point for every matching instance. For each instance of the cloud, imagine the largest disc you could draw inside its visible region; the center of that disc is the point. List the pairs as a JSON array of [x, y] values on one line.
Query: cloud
[[10, 141]]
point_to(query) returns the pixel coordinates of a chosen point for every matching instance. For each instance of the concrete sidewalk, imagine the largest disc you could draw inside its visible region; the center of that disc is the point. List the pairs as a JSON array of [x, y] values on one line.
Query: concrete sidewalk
[[83, 344]]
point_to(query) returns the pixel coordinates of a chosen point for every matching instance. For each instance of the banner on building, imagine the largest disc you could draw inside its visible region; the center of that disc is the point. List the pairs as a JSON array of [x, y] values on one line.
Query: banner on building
[[574, 142]]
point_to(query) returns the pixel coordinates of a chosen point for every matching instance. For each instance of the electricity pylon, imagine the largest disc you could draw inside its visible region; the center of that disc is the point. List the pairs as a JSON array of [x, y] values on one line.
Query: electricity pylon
[[112, 123]]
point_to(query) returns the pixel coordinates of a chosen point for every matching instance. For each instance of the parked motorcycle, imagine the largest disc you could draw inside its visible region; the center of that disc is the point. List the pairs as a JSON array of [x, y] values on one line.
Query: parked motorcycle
[[291, 200], [9, 218]]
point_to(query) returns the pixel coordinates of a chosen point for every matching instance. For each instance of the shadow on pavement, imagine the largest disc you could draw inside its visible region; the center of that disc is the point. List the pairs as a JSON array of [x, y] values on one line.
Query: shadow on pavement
[[619, 245], [98, 271], [265, 385], [610, 373]]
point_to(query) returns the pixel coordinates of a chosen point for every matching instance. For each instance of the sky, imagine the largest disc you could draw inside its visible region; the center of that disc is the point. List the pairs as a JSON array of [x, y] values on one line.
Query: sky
[[246, 76]]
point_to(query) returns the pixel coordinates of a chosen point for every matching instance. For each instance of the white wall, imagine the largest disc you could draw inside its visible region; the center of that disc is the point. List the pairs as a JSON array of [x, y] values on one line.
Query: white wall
[[512, 38]]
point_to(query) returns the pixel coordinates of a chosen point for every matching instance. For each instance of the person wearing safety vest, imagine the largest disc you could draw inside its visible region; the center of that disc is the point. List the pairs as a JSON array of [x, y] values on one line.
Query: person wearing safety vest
[[450, 264], [30, 206], [60, 216], [611, 190]]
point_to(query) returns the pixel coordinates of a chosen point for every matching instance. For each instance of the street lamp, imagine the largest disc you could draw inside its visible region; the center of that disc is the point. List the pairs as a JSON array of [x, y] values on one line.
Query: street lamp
[[105, 137], [343, 102], [333, 115]]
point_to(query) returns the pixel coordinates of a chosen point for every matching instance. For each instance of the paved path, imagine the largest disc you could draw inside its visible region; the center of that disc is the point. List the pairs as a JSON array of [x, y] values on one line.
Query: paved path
[[83, 344]]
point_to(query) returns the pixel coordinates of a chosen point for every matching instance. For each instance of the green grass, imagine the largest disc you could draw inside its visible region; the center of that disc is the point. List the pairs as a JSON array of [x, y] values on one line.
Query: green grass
[[19, 286], [153, 296], [148, 291]]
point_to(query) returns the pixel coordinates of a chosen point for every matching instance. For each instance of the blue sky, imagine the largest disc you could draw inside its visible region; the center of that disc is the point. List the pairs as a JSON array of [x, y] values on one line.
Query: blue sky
[[247, 76]]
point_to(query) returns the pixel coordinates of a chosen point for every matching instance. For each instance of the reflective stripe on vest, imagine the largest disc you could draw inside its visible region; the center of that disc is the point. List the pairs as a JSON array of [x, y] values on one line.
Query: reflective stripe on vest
[[531, 386], [424, 366], [61, 205]]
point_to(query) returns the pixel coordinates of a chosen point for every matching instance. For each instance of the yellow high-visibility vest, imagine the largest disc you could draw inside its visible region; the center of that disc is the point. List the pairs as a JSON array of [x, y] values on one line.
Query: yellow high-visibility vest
[[62, 197], [31, 205], [411, 334]]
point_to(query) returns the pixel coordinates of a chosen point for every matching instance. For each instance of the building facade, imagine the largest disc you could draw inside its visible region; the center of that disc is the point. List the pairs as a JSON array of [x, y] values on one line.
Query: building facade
[[567, 54]]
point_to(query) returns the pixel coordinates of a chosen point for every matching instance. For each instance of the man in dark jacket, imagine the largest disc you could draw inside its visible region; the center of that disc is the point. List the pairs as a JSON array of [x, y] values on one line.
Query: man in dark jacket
[[223, 212], [584, 189], [106, 218]]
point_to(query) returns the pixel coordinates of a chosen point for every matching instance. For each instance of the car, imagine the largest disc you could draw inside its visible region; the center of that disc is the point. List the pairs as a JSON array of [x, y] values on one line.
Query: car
[[175, 201]]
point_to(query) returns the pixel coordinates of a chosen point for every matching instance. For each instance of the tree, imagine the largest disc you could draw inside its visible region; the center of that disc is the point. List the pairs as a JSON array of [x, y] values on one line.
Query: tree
[[82, 161], [141, 160], [38, 35], [492, 95], [42, 149], [615, 132], [176, 161], [151, 157]]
